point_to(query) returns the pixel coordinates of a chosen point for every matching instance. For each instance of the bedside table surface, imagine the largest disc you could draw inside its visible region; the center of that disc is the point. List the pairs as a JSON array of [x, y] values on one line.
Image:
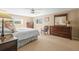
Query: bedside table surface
[[8, 40]]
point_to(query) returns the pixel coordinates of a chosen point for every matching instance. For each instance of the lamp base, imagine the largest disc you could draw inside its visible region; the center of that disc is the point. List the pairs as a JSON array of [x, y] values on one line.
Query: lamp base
[[6, 37], [2, 38]]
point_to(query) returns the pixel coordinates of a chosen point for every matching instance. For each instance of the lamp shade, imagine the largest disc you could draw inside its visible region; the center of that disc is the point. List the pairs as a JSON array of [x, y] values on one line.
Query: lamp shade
[[5, 15]]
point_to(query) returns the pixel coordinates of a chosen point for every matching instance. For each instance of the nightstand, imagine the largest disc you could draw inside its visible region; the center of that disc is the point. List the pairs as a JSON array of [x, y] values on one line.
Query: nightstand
[[9, 44]]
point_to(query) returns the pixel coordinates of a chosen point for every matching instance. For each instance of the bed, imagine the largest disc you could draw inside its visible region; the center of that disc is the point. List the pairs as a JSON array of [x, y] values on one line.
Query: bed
[[25, 36]]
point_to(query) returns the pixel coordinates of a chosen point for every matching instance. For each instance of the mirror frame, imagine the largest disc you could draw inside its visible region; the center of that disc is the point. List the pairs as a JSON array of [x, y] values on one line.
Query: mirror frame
[[61, 15]]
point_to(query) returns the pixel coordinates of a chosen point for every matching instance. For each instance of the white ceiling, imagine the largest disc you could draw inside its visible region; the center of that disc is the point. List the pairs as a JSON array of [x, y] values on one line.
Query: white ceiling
[[38, 11]]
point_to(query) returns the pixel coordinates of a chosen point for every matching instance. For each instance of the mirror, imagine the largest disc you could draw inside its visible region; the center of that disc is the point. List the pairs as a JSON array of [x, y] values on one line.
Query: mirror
[[60, 19]]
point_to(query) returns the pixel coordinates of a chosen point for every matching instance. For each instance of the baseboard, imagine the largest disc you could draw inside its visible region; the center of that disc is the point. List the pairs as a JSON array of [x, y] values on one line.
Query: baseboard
[[75, 38]]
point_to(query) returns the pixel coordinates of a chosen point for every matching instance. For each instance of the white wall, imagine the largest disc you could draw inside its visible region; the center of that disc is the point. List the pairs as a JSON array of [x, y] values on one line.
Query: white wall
[[24, 19], [74, 17]]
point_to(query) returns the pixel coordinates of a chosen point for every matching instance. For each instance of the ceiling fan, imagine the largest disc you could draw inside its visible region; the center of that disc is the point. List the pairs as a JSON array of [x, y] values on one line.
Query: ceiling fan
[[32, 11], [35, 11]]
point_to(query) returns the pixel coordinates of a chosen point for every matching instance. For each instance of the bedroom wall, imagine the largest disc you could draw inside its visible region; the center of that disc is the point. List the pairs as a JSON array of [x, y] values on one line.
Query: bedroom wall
[[50, 22], [51, 19], [73, 17], [23, 20]]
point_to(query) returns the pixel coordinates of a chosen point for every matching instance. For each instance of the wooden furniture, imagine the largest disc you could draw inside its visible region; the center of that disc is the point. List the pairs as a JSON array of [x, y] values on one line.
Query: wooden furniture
[[30, 25], [8, 45], [62, 31], [60, 27]]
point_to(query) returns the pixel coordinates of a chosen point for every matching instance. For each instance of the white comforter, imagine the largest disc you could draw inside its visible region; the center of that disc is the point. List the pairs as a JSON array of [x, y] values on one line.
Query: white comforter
[[25, 33]]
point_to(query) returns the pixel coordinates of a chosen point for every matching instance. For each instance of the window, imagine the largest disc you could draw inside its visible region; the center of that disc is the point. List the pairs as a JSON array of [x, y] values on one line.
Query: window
[[17, 21]]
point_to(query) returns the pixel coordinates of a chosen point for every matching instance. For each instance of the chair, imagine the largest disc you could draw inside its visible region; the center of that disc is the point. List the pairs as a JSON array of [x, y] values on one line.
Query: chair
[[45, 30]]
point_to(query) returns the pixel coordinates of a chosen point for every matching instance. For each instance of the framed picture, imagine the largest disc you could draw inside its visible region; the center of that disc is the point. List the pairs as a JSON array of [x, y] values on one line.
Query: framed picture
[[61, 19], [41, 21]]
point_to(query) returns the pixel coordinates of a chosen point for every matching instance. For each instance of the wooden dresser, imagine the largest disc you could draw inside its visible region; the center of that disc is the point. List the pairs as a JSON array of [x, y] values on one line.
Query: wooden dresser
[[30, 25], [62, 31]]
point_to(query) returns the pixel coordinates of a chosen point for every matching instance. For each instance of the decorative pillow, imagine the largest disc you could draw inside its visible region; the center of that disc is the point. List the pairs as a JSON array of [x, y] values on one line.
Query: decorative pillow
[[10, 26]]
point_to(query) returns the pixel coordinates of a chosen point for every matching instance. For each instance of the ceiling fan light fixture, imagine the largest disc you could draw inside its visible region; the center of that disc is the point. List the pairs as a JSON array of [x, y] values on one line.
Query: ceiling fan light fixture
[[32, 11]]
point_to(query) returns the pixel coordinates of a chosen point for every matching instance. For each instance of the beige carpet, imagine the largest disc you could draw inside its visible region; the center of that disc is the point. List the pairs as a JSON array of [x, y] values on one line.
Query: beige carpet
[[51, 43]]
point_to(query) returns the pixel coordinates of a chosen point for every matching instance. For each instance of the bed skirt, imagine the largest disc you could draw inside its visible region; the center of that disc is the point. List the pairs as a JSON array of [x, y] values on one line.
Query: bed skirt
[[23, 42]]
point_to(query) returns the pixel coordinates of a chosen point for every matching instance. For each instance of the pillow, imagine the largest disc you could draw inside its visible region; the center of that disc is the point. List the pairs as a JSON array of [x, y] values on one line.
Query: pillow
[[5, 30], [10, 26]]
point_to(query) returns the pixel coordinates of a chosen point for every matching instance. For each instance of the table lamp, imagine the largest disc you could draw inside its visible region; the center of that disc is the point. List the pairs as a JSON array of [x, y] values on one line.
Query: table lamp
[[3, 16]]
